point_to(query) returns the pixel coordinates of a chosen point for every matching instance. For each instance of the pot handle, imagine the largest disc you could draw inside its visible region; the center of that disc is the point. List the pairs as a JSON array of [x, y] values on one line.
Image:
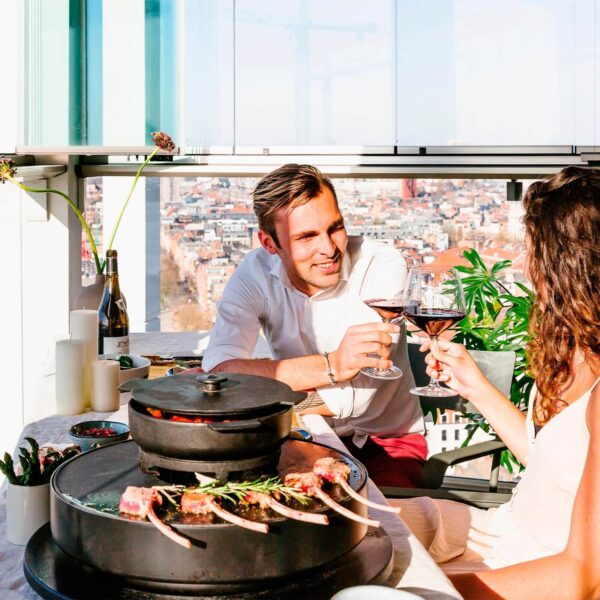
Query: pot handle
[[295, 399], [132, 385], [248, 425]]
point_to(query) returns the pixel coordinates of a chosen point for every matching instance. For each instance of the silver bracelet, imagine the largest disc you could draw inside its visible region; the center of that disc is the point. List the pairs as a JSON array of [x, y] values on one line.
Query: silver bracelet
[[329, 371]]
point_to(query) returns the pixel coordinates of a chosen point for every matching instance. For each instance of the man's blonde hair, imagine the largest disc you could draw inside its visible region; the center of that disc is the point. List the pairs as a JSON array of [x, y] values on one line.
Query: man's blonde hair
[[286, 187]]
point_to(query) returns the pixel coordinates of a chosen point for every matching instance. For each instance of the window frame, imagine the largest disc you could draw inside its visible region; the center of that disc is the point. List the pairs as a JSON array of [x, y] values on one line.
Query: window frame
[[434, 162]]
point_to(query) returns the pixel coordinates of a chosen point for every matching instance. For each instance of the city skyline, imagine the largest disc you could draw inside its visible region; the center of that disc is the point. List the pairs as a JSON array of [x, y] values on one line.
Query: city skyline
[[207, 226]]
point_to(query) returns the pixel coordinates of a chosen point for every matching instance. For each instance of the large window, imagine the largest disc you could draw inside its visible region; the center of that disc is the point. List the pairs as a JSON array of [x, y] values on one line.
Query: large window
[[243, 75]]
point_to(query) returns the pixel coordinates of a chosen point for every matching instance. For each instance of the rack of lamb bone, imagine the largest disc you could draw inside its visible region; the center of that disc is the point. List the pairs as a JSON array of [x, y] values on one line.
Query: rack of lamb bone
[[209, 495], [336, 471], [310, 484], [140, 502]]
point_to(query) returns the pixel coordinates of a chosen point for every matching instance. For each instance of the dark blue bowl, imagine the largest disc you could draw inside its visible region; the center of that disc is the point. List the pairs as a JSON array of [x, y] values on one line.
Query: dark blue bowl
[[87, 442]]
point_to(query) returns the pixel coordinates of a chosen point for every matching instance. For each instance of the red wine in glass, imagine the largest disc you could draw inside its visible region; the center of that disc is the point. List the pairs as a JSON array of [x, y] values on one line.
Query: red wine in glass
[[389, 310], [433, 321], [441, 304]]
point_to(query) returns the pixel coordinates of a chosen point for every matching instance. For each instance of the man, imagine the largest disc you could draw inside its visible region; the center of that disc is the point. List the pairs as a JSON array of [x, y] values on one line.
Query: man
[[302, 289]]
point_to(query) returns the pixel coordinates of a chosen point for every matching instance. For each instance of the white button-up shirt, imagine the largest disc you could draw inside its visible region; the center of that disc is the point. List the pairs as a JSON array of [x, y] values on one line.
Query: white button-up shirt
[[260, 295]]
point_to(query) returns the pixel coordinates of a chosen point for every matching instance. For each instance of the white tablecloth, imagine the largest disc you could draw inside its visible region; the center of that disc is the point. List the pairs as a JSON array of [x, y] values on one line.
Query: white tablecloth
[[414, 570]]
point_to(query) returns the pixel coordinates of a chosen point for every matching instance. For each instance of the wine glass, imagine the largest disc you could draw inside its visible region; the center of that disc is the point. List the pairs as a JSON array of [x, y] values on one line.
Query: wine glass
[[383, 289], [435, 302]]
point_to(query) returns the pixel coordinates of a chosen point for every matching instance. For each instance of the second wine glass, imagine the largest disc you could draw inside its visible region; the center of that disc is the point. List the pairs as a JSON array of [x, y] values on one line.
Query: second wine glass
[[438, 302]]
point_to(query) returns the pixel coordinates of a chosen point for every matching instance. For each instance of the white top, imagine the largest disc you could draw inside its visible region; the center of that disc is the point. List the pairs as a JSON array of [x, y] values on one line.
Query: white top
[[260, 294], [538, 517]]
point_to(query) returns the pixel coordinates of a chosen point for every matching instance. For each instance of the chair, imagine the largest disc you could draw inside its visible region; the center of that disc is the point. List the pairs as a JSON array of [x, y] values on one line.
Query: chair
[[498, 367]]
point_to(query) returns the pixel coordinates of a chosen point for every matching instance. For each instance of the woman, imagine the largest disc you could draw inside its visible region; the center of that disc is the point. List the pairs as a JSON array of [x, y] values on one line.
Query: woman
[[544, 543]]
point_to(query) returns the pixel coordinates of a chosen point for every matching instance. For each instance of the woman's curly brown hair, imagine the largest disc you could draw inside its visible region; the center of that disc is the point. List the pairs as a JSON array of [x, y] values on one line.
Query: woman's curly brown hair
[[562, 222]]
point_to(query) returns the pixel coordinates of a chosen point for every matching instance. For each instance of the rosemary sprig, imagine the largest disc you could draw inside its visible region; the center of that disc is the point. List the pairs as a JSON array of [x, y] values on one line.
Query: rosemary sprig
[[169, 491], [233, 490]]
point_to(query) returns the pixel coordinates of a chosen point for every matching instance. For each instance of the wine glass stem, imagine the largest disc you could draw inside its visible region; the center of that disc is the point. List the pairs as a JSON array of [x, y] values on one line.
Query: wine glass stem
[[434, 383], [377, 369]]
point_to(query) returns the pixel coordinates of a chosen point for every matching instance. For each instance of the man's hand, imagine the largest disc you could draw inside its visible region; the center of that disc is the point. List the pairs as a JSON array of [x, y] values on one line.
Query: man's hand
[[359, 347]]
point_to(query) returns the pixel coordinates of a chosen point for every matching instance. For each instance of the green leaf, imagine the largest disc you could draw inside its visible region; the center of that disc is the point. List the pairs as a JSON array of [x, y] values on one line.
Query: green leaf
[[462, 269], [8, 468], [473, 257], [500, 266]]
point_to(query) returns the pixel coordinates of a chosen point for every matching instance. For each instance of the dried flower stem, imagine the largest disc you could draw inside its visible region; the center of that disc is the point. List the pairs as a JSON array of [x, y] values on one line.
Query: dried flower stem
[[135, 180]]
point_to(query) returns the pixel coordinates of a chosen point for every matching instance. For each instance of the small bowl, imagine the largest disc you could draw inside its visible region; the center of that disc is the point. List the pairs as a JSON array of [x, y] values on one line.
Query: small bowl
[[87, 442], [140, 369]]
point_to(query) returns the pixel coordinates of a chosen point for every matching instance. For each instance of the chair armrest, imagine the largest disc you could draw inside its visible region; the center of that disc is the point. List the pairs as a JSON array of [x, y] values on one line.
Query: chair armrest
[[456, 403], [480, 499], [436, 466]]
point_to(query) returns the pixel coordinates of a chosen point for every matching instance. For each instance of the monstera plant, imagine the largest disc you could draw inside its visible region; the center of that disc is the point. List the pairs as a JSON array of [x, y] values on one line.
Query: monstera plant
[[497, 320]]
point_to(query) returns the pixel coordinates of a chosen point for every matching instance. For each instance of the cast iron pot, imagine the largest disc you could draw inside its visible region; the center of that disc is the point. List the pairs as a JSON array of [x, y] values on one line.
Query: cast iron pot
[[250, 416]]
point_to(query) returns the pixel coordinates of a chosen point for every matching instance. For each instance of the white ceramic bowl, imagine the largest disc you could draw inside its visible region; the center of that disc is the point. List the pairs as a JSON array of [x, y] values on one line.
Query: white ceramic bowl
[[140, 369]]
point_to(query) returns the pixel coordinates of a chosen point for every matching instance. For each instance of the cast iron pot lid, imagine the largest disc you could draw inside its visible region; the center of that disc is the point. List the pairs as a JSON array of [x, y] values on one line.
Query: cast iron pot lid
[[212, 394]]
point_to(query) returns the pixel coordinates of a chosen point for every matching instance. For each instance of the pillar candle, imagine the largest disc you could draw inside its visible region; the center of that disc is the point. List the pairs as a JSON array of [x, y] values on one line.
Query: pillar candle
[[84, 327], [69, 384], [105, 385]]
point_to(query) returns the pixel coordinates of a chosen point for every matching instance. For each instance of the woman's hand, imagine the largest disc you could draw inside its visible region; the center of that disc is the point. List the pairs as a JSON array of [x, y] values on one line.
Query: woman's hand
[[452, 364]]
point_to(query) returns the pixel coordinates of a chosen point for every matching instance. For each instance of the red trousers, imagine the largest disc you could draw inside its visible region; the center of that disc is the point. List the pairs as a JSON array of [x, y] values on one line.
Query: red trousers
[[392, 461]]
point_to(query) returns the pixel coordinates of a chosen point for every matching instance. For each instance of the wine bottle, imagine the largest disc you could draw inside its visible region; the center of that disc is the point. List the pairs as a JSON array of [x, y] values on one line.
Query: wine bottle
[[113, 321]]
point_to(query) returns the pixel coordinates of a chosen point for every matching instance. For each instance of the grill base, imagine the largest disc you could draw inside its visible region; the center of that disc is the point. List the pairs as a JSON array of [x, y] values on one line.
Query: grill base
[[56, 576]]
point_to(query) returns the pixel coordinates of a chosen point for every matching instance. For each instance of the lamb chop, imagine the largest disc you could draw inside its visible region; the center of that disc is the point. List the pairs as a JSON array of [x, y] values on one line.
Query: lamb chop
[[337, 471], [140, 502], [201, 504], [310, 484], [267, 501]]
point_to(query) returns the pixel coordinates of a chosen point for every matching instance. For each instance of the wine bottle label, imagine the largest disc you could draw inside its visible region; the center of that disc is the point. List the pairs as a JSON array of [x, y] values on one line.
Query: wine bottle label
[[116, 345]]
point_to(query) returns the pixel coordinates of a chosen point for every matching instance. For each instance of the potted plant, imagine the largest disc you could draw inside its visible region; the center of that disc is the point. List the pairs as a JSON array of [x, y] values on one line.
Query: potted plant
[[498, 320], [161, 141], [28, 491]]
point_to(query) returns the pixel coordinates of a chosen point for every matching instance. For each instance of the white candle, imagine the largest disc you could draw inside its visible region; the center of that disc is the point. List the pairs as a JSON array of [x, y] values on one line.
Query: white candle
[[69, 377], [84, 327], [105, 385]]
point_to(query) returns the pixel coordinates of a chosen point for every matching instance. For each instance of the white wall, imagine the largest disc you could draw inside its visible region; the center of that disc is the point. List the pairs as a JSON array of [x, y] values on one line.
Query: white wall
[[45, 295], [34, 246], [11, 347], [35, 253]]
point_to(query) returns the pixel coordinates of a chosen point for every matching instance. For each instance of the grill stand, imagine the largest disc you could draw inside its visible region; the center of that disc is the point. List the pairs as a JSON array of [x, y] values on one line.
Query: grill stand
[[56, 576], [221, 469]]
